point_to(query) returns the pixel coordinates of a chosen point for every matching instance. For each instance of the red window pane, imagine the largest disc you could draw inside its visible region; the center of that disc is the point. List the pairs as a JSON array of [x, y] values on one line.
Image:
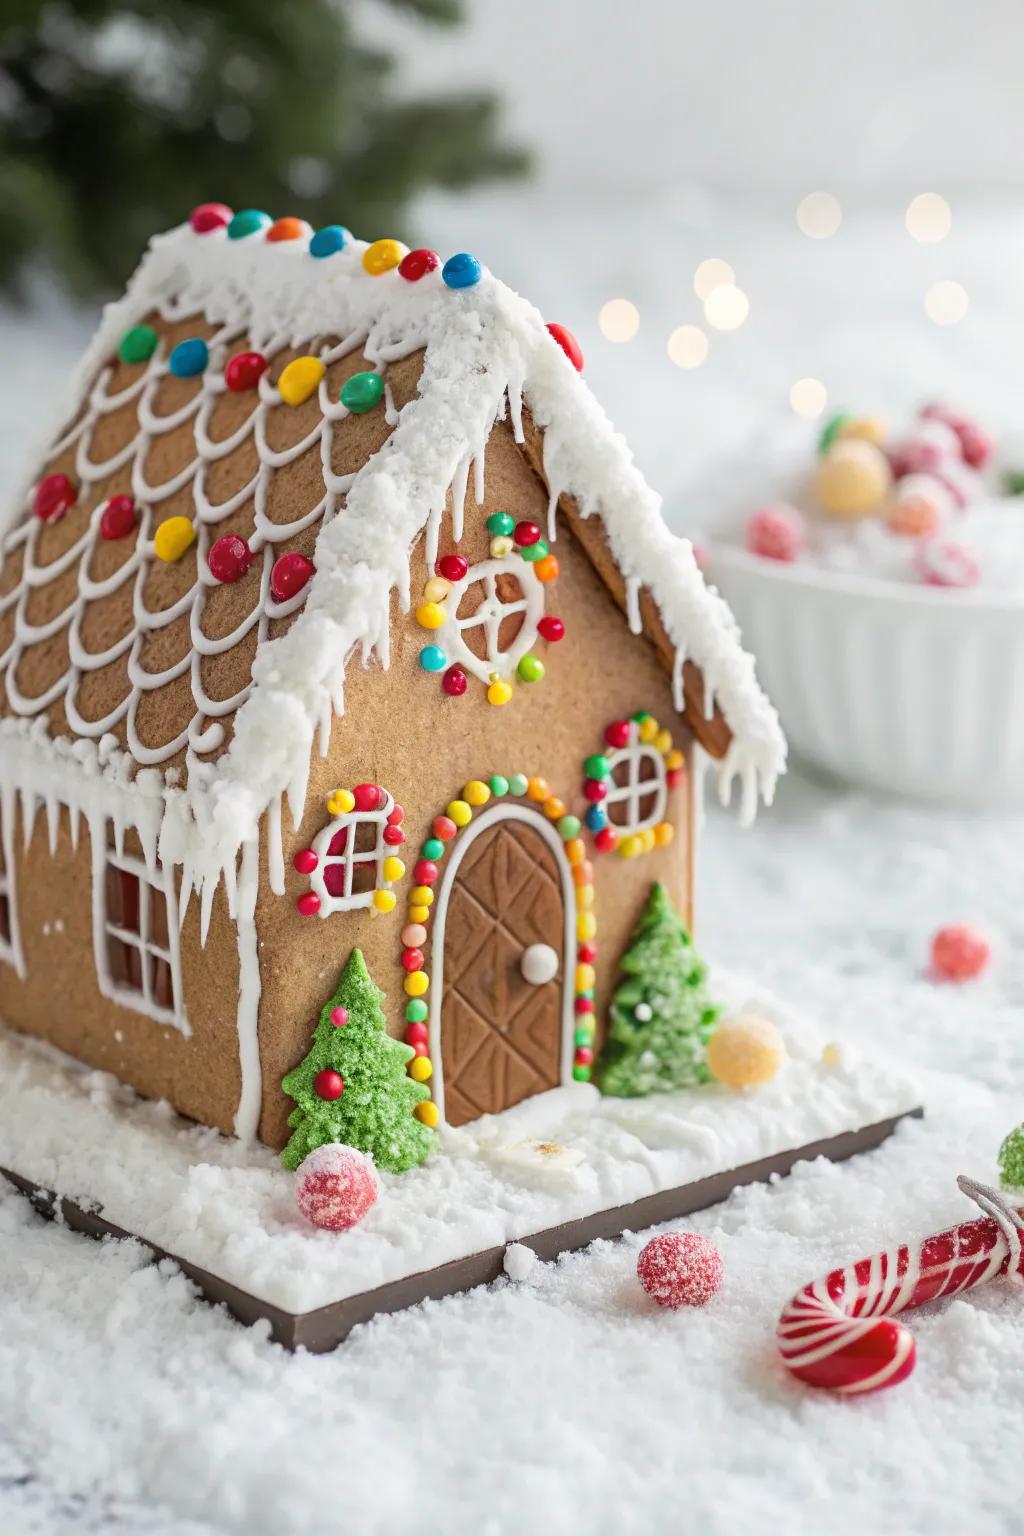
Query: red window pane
[[5, 920]]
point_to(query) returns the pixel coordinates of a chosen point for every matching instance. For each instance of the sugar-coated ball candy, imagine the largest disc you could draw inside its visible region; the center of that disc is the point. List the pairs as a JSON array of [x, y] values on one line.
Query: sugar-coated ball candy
[[975, 442], [946, 563], [775, 533], [680, 1269], [339, 1016], [960, 951], [919, 504], [932, 443], [335, 1186], [745, 1050], [852, 479]]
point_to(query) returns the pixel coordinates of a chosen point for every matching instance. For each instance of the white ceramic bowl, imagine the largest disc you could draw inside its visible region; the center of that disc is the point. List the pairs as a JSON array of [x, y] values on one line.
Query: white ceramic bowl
[[912, 690]]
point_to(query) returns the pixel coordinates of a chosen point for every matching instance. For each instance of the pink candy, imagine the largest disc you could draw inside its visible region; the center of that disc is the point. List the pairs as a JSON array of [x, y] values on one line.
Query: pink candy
[[335, 1186], [975, 443], [775, 533], [680, 1269], [960, 951], [945, 563]]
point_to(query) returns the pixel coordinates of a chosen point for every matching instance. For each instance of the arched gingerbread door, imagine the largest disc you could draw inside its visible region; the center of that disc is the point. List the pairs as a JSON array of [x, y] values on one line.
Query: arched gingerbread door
[[501, 1029]]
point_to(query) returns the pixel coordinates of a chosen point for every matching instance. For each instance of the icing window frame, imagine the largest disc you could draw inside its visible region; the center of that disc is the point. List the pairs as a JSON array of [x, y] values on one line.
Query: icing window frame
[[490, 614], [636, 789], [10, 932], [351, 857], [135, 932]]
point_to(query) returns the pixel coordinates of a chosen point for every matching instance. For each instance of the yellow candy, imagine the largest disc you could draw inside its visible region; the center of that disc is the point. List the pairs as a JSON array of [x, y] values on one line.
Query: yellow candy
[[537, 789], [675, 760], [393, 868], [584, 896], [420, 1068], [436, 589], [664, 832], [430, 615], [459, 812], [663, 742], [554, 809], [832, 1056], [646, 839], [648, 729], [866, 429], [576, 850], [299, 380], [476, 792], [852, 480], [384, 901], [341, 802], [382, 255], [500, 547], [419, 914], [586, 927], [585, 978], [744, 1051], [428, 1112], [499, 691], [416, 983], [631, 846], [172, 538], [420, 896]]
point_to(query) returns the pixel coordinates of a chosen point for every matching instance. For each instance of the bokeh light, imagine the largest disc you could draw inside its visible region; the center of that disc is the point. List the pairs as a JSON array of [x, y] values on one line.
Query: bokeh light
[[688, 346], [619, 320], [711, 274], [819, 215], [726, 307], [946, 302], [929, 218], [808, 397]]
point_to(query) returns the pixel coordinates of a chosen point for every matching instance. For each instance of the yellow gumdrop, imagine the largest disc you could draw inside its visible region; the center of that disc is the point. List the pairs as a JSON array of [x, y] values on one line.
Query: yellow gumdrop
[[586, 927], [382, 255], [420, 1068], [428, 1112], [172, 538], [476, 792], [436, 589], [744, 1051], [384, 901], [648, 728], [576, 850], [675, 760], [430, 615], [585, 978], [420, 896], [664, 832], [416, 983], [459, 812], [299, 380], [663, 742], [418, 914], [499, 691], [341, 802], [631, 846], [393, 868]]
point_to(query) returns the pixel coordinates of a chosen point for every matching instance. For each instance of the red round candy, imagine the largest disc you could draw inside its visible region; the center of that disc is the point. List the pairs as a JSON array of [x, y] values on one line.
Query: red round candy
[[587, 954], [584, 1055], [584, 1005], [289, 575], [526, 534], [243, 371], [424, 872], [117, 519], [594, 790], [452, 567], [54, 495], [305, 861], [394, 836], [675, 777], [412, 959], [421, 1048], [680, 1269], [455, 682], [617, 734], [444, 828], [960, 951], [417, 264], [368, 797], [606, 839], [417, 1033], [568, 343], [329, 1084], [229, 558], [335, 1186], [309, 904], [550, 628], [395, 816], [775, 533], [339, 1017], [208, 216]]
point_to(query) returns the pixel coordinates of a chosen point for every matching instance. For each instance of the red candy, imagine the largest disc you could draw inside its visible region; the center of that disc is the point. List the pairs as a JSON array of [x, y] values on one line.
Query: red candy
[[526, 534], [444, 828], [229, 558], [975, 443], [412, 959], [584, 1005], [455, 682], [395, 816], [680, 1269], [594, 790], [424, 872], [617, 734], [244, 370], [339, 1017], [775, 533], [550, 628], [54, 495], [587, 954], [417, 264], [584, 1055], [945, 563], [335, 1186], [368, 797], [394, 836], [329, 1084], [674, 777], [452, 567], [209, 216], [417, 1033], [568, 343], [309, 904], [289, 575], [305, 861], [606, 839], [117, 519], [960, 951]]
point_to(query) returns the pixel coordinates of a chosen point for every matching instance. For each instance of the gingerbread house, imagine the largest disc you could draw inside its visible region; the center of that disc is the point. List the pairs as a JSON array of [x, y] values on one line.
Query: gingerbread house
[[337, 616]]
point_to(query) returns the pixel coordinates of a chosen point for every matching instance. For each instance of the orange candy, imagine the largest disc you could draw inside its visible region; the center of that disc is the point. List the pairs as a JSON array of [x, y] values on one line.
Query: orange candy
[[289, 229], [546, 569], [583, 874], [537, 789]]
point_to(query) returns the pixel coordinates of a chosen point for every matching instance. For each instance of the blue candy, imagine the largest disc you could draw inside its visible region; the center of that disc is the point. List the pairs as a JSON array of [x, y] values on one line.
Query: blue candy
[[432, 658], [329, 240], [189, 358], [462, 271], [596, 818]]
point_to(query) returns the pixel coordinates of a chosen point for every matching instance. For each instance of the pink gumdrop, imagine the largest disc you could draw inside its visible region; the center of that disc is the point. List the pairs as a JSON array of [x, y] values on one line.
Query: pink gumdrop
[[775, 533], [945, 563], [975, 443], [335, 1186], [680, 1269], [960, 951], [931, 444]]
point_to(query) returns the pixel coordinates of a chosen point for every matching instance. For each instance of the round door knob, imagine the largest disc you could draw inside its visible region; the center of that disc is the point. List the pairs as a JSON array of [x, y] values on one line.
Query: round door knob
[[539, 964]]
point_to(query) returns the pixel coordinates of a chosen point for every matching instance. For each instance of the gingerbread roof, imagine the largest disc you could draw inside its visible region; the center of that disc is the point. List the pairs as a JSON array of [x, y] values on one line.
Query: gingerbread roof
[[120, 660]]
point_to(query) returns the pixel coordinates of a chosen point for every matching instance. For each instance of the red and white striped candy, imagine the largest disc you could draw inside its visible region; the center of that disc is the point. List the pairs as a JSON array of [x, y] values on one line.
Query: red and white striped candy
[[838, 1333]]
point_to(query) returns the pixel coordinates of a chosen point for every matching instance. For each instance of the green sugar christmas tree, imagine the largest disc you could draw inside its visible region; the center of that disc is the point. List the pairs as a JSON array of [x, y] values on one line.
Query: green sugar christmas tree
[[660, 1015], [352, 1086], [1011, 1160]]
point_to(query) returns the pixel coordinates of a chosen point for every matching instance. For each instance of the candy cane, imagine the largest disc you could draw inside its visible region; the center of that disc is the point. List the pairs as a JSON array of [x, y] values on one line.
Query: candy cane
[[838, 1332]]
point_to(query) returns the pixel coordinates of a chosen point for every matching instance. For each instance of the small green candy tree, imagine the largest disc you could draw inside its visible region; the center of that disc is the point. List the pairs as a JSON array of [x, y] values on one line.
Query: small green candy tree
[[661, 1017], [373, 1108], [1011, 1160]]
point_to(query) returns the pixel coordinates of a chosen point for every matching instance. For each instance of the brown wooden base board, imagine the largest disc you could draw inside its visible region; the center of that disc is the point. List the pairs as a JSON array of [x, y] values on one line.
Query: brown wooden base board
[[326, 1327]]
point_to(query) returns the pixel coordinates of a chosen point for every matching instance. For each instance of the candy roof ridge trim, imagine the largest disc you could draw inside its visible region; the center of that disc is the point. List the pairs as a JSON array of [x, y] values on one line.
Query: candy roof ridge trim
[[481, 344]]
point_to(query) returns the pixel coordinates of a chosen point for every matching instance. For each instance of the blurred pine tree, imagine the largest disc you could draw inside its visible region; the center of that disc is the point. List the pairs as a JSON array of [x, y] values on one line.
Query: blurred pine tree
[[117, 116]]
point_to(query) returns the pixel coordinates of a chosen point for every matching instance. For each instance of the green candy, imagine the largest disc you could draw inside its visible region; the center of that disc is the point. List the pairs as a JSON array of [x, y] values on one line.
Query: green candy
[[501, 524], [641, 715], [581, 1074], [1011, 1160], [498, 785], [582, 1037], [530, 669], [432, 849], [416, 1011], [362, 392], [517, 784], [534, 552], [249, 222], [138, 344], [568, 828], [596, 767], [831, 431]]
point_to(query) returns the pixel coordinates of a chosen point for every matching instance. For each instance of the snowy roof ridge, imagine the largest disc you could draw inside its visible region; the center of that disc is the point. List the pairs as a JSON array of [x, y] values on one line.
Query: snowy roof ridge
[[484, 344]]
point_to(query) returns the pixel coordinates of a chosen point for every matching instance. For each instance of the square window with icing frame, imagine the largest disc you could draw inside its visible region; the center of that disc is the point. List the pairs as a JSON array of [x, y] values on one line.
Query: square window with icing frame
[[637, 788], [137, 960], [10, 937]]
